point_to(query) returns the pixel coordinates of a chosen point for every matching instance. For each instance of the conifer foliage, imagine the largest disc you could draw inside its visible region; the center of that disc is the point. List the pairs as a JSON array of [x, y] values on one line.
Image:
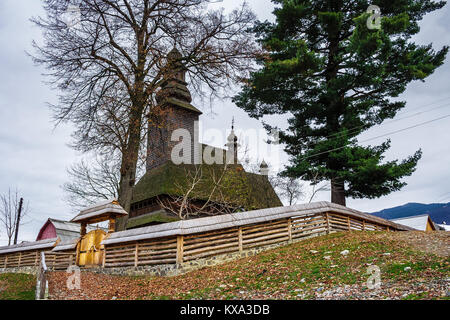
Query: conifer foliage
[[335, 77]]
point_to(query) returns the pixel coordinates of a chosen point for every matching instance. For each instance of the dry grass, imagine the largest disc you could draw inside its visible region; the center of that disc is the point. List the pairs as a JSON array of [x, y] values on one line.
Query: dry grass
[[312, 269]]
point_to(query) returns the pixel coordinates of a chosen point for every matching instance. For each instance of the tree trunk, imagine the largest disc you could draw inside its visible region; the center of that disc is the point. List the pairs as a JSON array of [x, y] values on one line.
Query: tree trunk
[[129, 164], [337, 192], [19, 212]]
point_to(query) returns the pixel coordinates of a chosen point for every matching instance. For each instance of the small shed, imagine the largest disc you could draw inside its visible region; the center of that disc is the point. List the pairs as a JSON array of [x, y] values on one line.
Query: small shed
[[422, 222], [64, 230]]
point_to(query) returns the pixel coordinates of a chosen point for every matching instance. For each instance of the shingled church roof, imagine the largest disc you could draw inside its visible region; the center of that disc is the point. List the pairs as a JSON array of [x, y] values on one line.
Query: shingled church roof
[[244, 189]]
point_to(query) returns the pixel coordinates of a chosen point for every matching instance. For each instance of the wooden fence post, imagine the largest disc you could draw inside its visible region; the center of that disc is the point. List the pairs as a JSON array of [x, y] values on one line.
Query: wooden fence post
[[20, 259], [6, 261], [136, 254], [36, 260], [77, 255], [348, 223], [42, 278], [240, 240], [180, 249], [363, 225], [104, 257], [289, 221], [328, 223]]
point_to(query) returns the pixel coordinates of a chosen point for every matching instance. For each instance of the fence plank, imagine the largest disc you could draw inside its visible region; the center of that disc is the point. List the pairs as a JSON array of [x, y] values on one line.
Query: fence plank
[[240, 240], [180, 250]]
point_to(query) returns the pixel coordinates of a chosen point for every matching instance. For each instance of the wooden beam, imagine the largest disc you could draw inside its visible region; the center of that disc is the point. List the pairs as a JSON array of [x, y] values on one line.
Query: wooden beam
[[112, 225], [104, 257], [289, 222], [240, 240], [20, 258], [136, 254], [327, 218], [77, 257], [348, 223], [180, 249], [83, 229]]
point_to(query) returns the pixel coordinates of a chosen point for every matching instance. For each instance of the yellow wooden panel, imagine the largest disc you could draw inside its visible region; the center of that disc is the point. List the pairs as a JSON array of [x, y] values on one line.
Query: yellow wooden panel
[[91, 252]]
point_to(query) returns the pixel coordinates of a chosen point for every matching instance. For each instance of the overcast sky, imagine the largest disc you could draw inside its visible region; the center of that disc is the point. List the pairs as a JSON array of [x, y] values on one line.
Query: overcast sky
[[34, 155]]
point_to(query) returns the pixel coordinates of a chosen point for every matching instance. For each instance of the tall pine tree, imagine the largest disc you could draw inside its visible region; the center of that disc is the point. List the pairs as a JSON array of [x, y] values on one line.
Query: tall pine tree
[[335, 77]]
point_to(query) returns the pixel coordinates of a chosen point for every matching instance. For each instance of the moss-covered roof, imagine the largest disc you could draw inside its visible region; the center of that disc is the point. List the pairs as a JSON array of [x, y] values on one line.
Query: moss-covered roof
[[247, 190], [160, 216]]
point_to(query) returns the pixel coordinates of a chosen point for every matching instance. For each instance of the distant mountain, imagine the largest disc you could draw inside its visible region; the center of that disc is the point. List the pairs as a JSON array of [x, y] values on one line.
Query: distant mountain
[[439, 212]]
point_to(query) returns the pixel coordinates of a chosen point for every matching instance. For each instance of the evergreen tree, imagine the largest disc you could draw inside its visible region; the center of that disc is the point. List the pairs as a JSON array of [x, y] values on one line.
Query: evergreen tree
[[335, 73]]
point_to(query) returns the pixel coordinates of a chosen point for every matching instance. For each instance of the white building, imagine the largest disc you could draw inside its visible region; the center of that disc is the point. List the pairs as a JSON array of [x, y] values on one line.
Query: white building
[[422, 222]]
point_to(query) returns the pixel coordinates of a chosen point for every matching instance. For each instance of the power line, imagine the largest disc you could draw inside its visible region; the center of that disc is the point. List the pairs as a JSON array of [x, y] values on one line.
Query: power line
[[380, 136], [443, 197], [390, 121]]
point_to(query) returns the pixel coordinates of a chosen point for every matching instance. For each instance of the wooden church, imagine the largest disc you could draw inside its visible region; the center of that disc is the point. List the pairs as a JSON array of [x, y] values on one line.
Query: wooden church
[[169, 192]]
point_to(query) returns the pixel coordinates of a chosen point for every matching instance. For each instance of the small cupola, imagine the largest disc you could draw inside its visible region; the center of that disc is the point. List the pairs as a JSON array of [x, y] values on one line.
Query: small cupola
[[232, 145], [264, 168], [174, 85]]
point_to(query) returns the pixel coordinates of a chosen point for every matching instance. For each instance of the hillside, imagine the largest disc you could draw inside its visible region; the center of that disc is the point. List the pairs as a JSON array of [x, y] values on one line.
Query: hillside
[[413, 265], [439, 212], [17, 286]]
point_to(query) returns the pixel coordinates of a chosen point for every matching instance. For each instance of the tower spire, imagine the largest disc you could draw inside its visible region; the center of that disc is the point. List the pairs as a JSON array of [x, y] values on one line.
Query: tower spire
[[232, 145], [174, 84]]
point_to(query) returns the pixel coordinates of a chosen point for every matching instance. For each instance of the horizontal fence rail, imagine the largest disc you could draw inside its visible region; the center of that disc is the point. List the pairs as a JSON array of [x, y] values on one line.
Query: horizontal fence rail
[[186, 241], [186, 248], [54, 260]]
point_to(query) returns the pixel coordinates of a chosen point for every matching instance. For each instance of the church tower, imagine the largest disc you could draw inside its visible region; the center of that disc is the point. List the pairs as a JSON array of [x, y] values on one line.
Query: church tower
[[232, 147], [173, 111]]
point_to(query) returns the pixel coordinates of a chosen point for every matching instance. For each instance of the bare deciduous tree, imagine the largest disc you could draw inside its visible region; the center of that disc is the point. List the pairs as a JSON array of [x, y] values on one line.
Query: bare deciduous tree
[[118, 50], [91, 183], [290, 189], [212, 200], [9, 213], [318, 186]]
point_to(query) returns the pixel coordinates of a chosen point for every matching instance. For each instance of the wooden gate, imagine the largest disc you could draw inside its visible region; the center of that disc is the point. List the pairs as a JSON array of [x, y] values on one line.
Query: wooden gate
[[90, 251]]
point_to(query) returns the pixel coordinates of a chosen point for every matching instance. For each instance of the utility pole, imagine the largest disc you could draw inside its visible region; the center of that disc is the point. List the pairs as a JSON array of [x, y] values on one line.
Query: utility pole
[[18, 220]]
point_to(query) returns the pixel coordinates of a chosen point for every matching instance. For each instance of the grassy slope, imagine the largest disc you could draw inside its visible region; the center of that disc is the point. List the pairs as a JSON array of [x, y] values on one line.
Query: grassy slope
[[17, 286], [290, 272]]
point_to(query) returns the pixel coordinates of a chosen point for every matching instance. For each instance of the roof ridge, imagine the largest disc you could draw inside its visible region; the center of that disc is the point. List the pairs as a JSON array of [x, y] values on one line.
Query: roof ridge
[[413, 216]]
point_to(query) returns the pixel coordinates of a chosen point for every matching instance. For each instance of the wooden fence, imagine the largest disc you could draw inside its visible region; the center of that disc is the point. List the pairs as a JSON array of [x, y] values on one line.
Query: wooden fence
[[185, 248], [54, 260], [186, 241]]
